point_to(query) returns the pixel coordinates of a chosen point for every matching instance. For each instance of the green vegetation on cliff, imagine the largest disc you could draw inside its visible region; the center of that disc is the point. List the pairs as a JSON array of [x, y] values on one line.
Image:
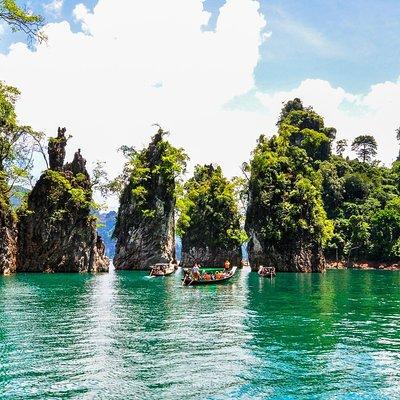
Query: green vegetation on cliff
[[286, 220], [299, 190], [145, 226], [209, 221], [18, 144], [147, 172], [363, 201], [209, 214]]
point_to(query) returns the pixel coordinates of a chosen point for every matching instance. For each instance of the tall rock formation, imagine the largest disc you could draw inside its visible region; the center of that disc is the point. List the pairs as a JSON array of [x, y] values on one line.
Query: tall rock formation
[[210, 221], [286, 222], [56, 231], [145, 229], [8, 235]]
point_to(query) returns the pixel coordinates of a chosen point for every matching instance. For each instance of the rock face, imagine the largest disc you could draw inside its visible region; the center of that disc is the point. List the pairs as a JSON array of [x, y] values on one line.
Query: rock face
[[57, 147], [56, 231], [292, 256], [8, 238], [145, 229], [142, 243]]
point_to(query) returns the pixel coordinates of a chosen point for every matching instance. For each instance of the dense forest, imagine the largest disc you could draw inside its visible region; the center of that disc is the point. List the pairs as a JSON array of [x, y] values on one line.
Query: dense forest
[[300, 190]]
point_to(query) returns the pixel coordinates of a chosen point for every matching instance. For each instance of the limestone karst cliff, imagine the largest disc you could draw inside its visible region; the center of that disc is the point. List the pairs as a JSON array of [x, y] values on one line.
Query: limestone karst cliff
[[145, 229], [285, 220], [8, 235], [56, 230], [292, 255]]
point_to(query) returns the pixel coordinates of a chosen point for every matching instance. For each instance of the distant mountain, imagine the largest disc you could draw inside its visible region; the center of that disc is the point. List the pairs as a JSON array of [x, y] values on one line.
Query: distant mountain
[[106, 229]]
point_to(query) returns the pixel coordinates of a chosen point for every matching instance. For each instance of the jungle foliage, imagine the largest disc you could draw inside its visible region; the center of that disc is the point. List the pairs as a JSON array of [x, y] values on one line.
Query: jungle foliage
[[285, 188], [22, 20], [18, 147], [294, 186], [208, 210], [298, 187]]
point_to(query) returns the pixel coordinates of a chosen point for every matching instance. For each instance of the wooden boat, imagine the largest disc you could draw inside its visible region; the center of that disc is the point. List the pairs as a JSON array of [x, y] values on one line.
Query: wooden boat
[[189, 281], [267, 271], [162, 269]]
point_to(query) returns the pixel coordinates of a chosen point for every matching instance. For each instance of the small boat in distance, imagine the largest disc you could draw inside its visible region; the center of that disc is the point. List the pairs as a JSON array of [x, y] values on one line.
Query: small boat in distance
[[267, 271], [208, 278], [162, 269]]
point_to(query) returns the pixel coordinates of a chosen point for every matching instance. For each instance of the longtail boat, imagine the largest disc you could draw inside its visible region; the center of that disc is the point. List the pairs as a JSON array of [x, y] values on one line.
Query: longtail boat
[[222, 277], [162, 269]]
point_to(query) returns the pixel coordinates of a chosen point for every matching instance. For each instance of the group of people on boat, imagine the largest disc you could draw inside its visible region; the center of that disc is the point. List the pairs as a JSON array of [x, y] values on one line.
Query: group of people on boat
[[266, 271], [157, 270], [196, 275]]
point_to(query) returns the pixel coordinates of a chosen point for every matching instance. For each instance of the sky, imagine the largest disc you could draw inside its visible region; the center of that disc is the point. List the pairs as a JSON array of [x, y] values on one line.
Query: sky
[[214, 73]]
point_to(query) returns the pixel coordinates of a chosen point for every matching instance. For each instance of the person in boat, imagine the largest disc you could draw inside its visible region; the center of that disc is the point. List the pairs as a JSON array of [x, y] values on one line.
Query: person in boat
[[207, 276], [227, 265], [155, 271], [196, 272]]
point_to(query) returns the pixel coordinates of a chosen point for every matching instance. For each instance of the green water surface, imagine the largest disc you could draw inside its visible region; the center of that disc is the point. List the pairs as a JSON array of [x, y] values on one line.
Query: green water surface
[[126, 336]]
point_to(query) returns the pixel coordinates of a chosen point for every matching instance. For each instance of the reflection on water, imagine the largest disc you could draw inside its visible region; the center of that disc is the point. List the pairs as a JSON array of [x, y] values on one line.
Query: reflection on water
[[123, 335]]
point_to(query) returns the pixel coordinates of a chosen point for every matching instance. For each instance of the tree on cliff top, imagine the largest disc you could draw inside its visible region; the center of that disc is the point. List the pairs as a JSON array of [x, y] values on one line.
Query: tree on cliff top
[[365, 146], [341, 146], [209, 214], [305, 128], [21, 20]]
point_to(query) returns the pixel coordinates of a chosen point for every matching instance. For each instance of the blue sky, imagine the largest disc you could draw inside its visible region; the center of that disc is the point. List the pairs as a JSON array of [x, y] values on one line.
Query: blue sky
[[350, 43]]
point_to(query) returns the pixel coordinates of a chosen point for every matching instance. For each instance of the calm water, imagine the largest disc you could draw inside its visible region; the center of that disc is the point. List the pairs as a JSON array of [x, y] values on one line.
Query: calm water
[[125, 336]]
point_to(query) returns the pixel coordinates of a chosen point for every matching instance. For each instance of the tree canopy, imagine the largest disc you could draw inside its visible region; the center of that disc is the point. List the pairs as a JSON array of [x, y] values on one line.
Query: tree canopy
[[18, 144], [304, 128], [285, 189], [298, 188], [365, 147], [208, 209], [21, 20]]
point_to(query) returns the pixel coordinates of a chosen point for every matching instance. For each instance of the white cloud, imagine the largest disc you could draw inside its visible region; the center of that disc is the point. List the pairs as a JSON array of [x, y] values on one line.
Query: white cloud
[[154, 63], [150, 63], [81, 14], [54, 7], [375, 112]]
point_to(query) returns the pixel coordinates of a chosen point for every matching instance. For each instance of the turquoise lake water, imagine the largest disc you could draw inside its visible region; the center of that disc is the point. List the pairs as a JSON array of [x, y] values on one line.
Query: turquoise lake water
[[126, 336]]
